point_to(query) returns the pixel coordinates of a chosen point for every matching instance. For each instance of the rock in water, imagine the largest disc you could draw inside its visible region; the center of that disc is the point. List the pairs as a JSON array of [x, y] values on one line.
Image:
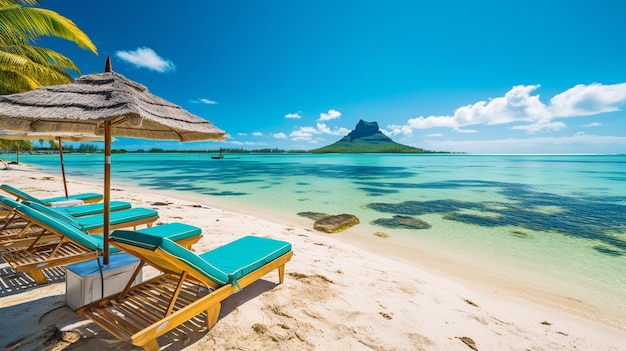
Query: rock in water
[[336, 223]]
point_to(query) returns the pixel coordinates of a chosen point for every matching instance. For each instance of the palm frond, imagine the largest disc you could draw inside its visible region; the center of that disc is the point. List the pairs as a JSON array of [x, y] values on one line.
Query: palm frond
[[36, 22]]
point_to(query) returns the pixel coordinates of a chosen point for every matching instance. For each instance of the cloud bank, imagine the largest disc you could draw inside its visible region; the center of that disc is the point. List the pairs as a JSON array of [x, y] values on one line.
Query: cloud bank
[[521, 107]]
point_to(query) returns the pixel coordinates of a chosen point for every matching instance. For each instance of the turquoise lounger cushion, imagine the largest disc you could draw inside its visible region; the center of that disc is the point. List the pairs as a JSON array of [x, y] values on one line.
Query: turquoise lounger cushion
[[92, 209], [152, 242], [8, 203], [88, 223], [50, 211], [174, 231], [245, 255], [61, 228], [223, 265], [92, 222], [68, 214], [25, 195]]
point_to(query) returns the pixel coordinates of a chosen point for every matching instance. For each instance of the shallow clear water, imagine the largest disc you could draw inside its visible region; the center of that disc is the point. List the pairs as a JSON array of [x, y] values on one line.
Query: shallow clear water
[[555, 222]]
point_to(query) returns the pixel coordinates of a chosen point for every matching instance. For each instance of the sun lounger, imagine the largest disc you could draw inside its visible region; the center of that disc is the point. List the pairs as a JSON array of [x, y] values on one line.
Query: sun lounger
[[19, 232], [190, 285], [130, 218], [24, 196], [74, 245]]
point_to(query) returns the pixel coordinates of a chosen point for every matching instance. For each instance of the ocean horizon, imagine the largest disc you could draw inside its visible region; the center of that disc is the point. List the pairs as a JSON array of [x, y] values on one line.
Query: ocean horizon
[[550, 223]]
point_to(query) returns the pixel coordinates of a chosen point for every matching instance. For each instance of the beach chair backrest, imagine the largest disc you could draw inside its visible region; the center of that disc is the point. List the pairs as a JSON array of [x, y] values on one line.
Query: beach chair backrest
[[8, 204], [19, 193], [202, 269], [60, 227], [50, 211]]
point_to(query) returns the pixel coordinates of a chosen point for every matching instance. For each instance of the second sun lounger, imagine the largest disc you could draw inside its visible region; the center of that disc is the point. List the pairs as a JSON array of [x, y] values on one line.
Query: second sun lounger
[[94, 224], [75, 246], [191, 284], [18, 231]]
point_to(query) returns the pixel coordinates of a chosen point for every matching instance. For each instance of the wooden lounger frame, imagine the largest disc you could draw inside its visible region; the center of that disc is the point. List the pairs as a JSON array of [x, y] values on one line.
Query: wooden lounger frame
[[52, 249], [17, 232], [141, 314], [21, 232], [37, 258]]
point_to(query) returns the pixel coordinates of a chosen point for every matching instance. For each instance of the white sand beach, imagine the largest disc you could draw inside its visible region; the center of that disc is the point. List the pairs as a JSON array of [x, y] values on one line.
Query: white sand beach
[[335, 296]]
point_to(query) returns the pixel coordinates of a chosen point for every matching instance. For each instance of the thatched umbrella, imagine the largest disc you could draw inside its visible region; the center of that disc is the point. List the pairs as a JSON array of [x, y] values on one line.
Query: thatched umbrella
[[104, 104], [58, 136]]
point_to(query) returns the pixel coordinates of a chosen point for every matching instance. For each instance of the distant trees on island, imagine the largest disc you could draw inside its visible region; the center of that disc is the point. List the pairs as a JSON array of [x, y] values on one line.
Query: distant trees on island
[[93, 148]]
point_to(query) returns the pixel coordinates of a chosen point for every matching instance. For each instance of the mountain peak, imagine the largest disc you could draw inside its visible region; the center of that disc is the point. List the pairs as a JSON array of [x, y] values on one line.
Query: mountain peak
[[366, 130], [367, 138]]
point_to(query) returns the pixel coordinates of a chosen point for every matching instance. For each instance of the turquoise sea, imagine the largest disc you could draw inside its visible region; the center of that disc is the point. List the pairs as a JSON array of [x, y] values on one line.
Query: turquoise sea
[[553, 224]]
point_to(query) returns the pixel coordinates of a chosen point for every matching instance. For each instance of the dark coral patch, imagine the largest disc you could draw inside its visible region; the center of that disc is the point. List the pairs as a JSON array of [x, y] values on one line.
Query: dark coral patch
[[403, 222]]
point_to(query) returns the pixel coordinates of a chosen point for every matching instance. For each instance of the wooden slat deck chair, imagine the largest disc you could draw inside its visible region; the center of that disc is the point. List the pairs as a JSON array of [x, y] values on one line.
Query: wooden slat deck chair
[[74, 245], [24, 196], [17, 231], [11, 223], [191, 284], [21, 232]]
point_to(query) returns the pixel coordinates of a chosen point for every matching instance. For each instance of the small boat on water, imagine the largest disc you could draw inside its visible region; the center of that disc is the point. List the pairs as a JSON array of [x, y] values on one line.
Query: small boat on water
[[218, 157], [221, 156]]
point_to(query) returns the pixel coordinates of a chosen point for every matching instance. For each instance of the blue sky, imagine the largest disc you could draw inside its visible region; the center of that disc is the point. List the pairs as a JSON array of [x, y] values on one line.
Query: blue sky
[[463, 76]]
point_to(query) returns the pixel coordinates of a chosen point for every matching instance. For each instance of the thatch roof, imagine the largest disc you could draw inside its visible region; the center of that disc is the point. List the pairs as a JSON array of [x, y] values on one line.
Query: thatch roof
[[83, 106], [8, 135]]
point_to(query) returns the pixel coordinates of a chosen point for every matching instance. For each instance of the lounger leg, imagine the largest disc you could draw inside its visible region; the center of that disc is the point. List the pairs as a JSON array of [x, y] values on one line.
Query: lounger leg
[[281, 274], [212, 313], [39, 277], [152, 345]]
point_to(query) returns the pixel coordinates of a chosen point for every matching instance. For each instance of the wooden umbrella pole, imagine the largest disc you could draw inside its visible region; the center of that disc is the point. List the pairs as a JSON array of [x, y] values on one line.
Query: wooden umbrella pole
[[63, 167], [107, 188]]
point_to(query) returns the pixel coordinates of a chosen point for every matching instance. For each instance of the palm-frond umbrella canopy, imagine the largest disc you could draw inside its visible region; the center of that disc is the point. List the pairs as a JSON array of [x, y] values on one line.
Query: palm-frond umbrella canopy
[[59, 136], [103, 104]]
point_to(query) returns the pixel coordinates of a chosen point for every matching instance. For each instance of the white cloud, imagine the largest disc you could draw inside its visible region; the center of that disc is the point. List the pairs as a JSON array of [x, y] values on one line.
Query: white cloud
[[541, 126], [586, 100], [467, 131], [434, 135], [324, 129], [204, 101], [247, 143], [257, 134], [293, 115], [580, 143], [301, 135], [592, 124], [521, 107], [332, 114], [280, 136], [308, 133], [146, 58]]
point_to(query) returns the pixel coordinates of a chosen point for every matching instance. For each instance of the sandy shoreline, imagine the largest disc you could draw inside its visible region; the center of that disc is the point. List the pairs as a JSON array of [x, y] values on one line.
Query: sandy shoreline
[[335, 296]]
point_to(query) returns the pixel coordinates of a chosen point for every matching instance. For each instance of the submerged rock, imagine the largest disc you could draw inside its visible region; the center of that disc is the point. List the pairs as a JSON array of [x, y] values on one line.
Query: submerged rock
[[335, 223], [405, 222], [313, 215]]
